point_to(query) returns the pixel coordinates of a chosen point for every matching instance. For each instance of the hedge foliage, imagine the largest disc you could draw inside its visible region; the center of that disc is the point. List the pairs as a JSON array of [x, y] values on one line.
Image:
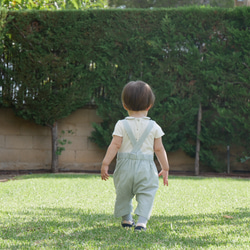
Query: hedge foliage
[[57, 61]]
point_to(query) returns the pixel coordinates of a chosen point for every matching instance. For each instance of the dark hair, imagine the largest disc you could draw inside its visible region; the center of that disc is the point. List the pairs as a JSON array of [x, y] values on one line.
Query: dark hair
[[137, 96]]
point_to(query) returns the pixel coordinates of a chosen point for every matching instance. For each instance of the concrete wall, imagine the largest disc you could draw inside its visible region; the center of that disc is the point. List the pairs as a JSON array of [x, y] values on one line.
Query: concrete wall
[[27, 146], [241, 3]]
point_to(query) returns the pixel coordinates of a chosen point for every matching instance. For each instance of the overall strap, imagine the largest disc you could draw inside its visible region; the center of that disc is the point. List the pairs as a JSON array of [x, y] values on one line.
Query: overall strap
[[129, 133], [137, 144]]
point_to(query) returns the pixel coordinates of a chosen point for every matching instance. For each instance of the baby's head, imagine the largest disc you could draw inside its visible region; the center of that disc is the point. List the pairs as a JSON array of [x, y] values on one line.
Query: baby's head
[[137, 96]]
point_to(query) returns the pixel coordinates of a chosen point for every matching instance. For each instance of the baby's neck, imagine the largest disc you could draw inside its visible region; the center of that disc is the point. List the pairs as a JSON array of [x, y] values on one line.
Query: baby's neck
[[138, 114]]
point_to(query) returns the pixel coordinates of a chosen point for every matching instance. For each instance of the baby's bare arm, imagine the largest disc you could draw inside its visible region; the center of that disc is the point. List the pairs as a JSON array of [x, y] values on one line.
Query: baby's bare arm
[[161, 154], [162, 158], [110, 155]]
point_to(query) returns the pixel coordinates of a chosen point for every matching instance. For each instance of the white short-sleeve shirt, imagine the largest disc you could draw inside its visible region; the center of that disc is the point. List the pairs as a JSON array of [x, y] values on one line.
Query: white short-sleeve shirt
[[138, 126]]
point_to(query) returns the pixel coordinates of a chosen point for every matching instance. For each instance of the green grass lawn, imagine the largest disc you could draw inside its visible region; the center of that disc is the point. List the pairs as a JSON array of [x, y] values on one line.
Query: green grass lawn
[[75, 211]]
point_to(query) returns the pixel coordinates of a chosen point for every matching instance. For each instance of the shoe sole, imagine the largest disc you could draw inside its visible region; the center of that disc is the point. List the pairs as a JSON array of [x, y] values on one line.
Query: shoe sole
[[140, 228]]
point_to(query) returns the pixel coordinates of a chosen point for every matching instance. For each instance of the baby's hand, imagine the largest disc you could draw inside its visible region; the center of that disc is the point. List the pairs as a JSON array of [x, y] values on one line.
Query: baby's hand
[[164, 174], [104, 172]]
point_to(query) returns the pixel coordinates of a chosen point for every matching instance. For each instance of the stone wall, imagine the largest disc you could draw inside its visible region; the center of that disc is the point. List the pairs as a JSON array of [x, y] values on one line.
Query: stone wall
[[27, 146]]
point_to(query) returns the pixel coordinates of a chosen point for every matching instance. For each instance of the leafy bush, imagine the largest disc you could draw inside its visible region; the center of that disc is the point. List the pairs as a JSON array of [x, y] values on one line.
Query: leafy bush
[[56, 62]]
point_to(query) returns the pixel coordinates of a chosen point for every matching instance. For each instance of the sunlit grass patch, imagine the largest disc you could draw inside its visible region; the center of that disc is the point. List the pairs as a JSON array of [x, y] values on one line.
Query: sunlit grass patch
[[75, 211]]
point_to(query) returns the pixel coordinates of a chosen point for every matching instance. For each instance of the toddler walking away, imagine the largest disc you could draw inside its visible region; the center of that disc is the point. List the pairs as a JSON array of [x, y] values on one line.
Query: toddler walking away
[[135, 140]]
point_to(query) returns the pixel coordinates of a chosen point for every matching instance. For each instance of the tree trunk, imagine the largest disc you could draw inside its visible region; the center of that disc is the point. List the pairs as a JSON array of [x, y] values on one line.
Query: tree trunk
[[54, 163], [197, 153]]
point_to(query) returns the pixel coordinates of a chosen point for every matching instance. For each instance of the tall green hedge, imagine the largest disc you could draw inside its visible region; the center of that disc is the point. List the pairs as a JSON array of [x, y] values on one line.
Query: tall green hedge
[[188, 55]]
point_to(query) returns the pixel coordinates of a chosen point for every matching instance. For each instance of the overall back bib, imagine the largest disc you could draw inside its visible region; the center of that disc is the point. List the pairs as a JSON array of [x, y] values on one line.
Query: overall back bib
[[135, 175]]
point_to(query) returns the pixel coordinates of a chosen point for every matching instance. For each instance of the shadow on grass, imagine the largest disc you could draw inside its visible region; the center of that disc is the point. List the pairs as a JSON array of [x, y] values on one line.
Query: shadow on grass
[[69, 228]]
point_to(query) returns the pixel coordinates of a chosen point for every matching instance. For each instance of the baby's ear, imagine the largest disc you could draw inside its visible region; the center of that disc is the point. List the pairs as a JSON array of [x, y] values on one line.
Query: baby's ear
[[149, 107], [124, 106]]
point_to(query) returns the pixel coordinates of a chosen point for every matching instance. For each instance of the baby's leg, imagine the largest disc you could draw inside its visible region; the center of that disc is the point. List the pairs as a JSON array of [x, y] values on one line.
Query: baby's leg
[[127, 217], [145, 202], [145, 189], [142, 221], [123, 181], [123, 204], [127, 221]]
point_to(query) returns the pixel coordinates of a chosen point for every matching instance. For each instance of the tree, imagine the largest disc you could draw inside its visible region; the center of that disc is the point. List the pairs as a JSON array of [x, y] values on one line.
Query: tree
[[198, 143], [56, 89], [3, 14], [201, 57], [192, 56]]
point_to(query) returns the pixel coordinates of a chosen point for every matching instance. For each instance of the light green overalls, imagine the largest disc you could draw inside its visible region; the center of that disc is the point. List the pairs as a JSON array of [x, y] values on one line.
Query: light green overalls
[[135, 175]]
